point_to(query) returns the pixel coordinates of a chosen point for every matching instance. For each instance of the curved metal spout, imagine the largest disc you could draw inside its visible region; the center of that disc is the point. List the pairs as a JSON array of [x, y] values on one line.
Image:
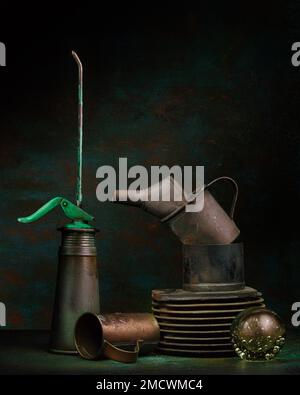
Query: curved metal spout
[[160, 200], [211, 225]]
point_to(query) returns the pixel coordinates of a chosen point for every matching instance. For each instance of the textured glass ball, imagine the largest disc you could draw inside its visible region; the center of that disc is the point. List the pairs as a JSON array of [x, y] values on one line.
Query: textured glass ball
[[257, 334]]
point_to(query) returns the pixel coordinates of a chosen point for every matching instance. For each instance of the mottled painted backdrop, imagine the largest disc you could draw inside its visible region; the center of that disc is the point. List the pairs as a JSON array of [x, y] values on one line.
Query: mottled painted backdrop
[[187, 86]]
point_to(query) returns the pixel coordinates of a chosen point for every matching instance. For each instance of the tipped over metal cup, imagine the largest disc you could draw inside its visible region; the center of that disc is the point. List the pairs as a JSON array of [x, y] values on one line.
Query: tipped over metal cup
[[118, 336]]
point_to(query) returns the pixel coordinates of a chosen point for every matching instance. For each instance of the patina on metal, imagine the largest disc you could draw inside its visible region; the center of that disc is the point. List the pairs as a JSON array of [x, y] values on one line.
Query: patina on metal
[[211, 225], [77, 286], [196, 320], [77, 289], [218, 267], [198, 323], [110, 335]]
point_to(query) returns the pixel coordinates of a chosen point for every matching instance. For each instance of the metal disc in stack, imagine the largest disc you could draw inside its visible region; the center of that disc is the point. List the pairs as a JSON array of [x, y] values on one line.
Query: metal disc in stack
[[198, 323]]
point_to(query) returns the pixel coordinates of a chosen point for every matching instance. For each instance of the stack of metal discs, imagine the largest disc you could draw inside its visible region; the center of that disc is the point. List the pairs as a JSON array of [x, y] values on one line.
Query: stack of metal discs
[[198, 323]]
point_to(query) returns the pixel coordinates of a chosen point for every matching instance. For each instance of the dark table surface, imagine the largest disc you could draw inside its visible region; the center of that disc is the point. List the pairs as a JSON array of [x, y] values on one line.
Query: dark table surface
[[25, 352]]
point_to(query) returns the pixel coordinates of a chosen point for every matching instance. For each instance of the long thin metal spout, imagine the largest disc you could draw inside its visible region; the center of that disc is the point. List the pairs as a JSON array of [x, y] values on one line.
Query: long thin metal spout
[[80, 130]]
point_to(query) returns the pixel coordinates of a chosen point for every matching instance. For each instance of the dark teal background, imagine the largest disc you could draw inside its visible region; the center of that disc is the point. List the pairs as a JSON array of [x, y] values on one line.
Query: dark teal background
[[187, 85]]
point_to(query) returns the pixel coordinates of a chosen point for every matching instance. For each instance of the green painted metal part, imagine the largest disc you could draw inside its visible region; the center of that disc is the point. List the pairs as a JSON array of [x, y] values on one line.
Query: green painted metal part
[[79, 217]]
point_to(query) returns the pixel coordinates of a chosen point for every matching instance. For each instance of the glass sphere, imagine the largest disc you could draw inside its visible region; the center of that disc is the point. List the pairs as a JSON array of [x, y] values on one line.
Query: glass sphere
[[257, 334]]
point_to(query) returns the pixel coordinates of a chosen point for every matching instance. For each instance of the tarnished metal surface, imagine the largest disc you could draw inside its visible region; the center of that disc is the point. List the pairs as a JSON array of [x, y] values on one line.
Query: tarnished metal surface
[[211, 225], [213, 267], [78, 242], [191, 313], [193, 326], [120, 354], [77, 289], [171, 332], [106, 335], [170, 318], [180, 306], [198, 323], [172, 296], [191, 339]]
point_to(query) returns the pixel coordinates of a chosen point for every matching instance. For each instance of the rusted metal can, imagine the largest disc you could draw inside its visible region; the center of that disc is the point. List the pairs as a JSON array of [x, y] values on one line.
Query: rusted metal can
[[211, 225], [77, 289], [214, 267], [110, 335]]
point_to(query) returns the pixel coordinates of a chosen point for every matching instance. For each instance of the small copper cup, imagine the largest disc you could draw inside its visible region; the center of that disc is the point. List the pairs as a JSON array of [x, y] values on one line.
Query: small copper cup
[[117, 336]]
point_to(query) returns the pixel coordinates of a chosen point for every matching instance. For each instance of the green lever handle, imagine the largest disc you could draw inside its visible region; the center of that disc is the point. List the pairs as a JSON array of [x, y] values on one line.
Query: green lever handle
[[75, 213]]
